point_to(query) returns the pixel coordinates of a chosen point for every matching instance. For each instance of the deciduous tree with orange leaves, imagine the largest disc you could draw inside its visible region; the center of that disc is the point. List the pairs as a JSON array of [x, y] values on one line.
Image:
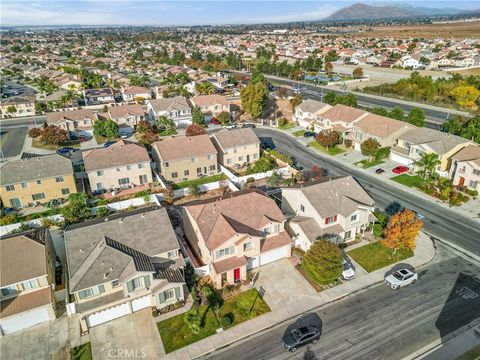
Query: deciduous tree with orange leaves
[[402, 230]]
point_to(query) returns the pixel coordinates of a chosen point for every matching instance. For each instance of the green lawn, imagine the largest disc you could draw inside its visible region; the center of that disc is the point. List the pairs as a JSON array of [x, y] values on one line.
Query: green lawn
[[414, 181], [299, 133], [168, 132], [368, 164], [204, 180], [38, 144], [102, 139], [375, 256], [287, 126], [81, 352], [332, 151], [176, 334]]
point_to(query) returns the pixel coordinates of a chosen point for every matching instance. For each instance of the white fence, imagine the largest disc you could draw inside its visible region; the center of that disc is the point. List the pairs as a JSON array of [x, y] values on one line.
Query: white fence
[[241, 180], [5, 229]]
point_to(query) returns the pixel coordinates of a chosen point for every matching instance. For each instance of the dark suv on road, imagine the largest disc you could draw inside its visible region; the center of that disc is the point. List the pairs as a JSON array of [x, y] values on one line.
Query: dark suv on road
[[301, 336]]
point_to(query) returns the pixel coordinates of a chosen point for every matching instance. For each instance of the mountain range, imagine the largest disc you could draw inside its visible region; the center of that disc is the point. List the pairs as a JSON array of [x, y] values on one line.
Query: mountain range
[[360, 11]]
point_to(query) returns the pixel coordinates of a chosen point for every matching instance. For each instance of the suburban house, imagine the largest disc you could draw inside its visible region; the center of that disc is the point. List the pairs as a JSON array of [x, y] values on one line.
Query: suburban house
[[339, 118], [126, 116], [185, 157], [176, 108], [36, 180], [98, 96], [383, 129], [78, 122], [234, 234], [135, 93], [15, 106], [412, 144], [123, 263], [236, 147], [306, 113], [211, 105], [338, 208], [123, 164], [465, 168], [28, 280]]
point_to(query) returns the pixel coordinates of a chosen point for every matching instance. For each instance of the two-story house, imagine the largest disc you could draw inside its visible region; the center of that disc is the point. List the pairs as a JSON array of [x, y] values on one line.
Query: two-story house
[[79, 122], [15, 106], [185, 157], [98, 96], [306, 113], [412, 144], [176, 108], [123, 263], [338, 208], [234, 234], [384, 130], [135, 93], [123, 164], [465, 168], [36, 180], [211, 105], [126, 116], [236, 147], [339, 118], [27, 267]]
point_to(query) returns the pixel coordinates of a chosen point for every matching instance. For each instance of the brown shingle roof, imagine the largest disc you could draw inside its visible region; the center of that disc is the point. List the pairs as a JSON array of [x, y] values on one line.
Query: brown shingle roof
[[276, 241], [74, 115], [209, 100], [236, 137], [469, 153], [343, 113], [380, 126], [25, 301], [135, 90], [229, 264], [124, 110], [184, 147], [121, 153]]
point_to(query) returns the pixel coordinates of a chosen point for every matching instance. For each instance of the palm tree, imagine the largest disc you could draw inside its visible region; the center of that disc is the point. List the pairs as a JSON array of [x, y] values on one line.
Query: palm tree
[[428, 163]]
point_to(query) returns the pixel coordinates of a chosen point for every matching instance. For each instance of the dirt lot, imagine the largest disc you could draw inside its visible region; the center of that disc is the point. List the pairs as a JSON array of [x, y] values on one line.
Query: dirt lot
[[475, 71]]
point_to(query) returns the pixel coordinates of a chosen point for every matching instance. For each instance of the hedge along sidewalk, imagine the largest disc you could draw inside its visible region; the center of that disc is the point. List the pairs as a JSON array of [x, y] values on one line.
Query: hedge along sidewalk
[[423, 254]]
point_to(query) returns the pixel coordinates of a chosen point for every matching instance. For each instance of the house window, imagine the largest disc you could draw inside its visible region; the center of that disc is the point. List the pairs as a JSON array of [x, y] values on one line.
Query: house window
[[10, 187], [166, 164], [193, 159], [172, 254], [100, 173], [91, 292], [229, 161], [247, 246], [224, 252], [28, 285], [302, 208], [118, 169], [143, 179], [330, 219], [39, 182], [209, 157], [213, 167], [115, 283], [169, 294], [199, 170], [473, 184], [174, 175], [65, 191], [10, 290], [38, 196], [99, 186], [123, 181], [348, 234], [476, 172], [138, 283], [255, 156], [25, 185], [129, 167], [59, 179], [354, 218], [186, 172]]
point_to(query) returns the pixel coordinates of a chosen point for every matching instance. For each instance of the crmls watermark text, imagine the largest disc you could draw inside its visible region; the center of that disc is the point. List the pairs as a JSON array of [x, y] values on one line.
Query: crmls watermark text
[[127, 353]]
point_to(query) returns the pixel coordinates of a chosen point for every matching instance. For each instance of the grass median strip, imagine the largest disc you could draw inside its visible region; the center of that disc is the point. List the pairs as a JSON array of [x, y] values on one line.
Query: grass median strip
[[375, 256], [330, 151]]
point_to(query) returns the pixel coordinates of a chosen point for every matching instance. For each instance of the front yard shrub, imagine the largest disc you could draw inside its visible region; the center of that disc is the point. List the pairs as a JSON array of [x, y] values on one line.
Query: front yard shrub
[[323, 262], [102, 211], [382, 153], [348, 143], [250, 180], [377, 230], [473, 193], [281, 156], [288, 182], [81, 352], [193, 320], [264, 164], [226, 320], [9, 219]]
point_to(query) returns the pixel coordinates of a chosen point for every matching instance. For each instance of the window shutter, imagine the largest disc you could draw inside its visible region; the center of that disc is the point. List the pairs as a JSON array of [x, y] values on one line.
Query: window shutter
[[101, 288], [147, 280], [177, 292], [335, 218], [161, 297], [130, 286]]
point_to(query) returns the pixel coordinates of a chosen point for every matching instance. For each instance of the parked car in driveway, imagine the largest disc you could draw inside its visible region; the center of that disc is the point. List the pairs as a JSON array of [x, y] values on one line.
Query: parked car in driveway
[[400, 169], [65, 150], [308, 134], [249, 126], [348, 273], [401, 278], [301, 336], [215, 121], [379, 171]]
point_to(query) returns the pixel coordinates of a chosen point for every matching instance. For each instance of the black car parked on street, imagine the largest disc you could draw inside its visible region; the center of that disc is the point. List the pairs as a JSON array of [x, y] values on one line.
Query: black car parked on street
[[300, 336]]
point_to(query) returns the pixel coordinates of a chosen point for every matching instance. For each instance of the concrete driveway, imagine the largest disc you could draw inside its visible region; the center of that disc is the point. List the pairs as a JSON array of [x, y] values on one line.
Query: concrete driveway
[[282, 284], [132, 336]]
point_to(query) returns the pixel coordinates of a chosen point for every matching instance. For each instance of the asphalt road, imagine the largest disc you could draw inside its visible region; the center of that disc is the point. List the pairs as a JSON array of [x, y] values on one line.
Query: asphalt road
[[380, 323], [440, 222], [11, 141]]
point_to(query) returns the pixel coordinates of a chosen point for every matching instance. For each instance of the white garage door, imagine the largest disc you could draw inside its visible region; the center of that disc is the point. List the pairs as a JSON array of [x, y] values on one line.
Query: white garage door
[[141, 303], [109, 314], [24, 320], [273, 255], [401, 159]]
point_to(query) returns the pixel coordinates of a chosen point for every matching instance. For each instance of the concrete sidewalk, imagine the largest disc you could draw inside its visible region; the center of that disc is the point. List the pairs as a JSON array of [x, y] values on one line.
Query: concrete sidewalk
[[424, 253]]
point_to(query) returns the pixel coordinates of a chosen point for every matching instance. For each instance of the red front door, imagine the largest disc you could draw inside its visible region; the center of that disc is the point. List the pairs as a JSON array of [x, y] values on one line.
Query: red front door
[[236, 274], [461, 181]]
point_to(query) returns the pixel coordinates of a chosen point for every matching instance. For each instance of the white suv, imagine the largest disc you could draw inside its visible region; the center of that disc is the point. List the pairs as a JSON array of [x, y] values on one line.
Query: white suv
[[401, 278]]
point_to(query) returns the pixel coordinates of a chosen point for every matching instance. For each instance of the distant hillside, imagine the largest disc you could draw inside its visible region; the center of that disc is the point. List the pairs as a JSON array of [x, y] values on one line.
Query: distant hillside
[[361, 11]]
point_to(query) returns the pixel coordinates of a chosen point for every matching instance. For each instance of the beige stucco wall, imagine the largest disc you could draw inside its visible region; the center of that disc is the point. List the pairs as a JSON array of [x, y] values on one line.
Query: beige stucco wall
[[238, 154], [111, 176], [51, 189], [181, 165], [467, 174]]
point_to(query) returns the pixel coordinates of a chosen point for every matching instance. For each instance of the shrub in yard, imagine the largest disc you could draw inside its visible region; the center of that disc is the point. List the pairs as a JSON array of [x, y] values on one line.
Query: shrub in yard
[[382, 153], [103, 211], [402, 230], [370, 148], [323, 262], [348, 143], [35, 132], [473, 193], [9, 219], [282, 121], [226, 320], [377, 230], [244, 305], [194, 189], [193, 320], [250, 180], [288, 182], [381, 217]]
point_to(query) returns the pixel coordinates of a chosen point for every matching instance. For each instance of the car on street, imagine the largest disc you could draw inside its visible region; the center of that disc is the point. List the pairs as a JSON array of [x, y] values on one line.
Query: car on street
[[65, 150], [348, 273], [401, 278], [215, 121], [418, 215], [308, 134], [300, 336], [230, 126], [248, 125], [400, 169], [109, 143], [379, 171]]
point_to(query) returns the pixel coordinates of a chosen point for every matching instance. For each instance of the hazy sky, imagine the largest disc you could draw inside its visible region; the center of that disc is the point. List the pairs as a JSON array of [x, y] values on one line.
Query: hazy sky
[[153, 12]]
